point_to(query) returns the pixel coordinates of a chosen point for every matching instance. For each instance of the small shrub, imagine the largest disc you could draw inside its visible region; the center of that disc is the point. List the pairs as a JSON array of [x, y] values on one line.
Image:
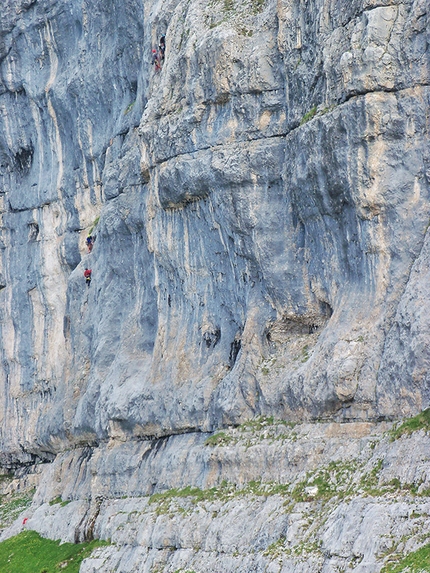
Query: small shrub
[[222, 98]]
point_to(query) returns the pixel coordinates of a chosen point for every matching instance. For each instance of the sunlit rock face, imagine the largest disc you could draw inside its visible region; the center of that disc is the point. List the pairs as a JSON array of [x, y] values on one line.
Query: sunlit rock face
[[260, 207]]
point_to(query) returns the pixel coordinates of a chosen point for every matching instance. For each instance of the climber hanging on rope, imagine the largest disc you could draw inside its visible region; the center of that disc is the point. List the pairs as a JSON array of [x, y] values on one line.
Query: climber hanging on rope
[[87, 275], [90, 242], [156, 60], [162, 47]]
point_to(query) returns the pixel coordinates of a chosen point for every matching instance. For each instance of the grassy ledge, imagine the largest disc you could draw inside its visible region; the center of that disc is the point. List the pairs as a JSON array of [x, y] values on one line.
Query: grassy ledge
[[416, 562], [259, 428], [30, 553], [419, 422], [59, 501]]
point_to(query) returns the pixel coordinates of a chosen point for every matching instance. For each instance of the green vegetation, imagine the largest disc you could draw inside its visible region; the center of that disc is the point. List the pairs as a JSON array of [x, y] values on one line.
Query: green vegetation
[[262, 422], [129, 107], [252, 431], [308, 116], [323, 112], [222, 98], [220, 439], [12, 505], [305, 353], [231, 10], [327, 482], [257, 6], [94, 225], [58, 500], [369, 484], [30, 553], [419, 422], [224, 492], [278, 548], [369, 481], [267, 365], [416, 562], [275, 549]]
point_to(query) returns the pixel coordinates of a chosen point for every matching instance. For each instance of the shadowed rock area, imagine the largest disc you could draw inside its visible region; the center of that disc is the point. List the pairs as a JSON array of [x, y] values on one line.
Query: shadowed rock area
[[260, 206]]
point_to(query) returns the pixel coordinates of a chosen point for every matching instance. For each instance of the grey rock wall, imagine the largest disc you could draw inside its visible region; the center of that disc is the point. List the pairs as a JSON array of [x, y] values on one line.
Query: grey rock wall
[[261, 211], [262, 200]]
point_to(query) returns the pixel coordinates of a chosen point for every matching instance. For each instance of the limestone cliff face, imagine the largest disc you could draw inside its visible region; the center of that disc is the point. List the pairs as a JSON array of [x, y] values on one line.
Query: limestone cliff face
[[261, 209], [260, 204]]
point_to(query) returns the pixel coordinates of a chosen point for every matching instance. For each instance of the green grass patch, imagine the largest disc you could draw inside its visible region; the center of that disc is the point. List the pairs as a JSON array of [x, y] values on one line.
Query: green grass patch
[[169, 501], [129, 107], [30, 553], [220, 439], [338, 479], [416, 562], [59, 500], [94, 225], [305, 353], [262, 422], [419, 422], [305, 548], [308, 116], [335, 479], [370, 480], [266, 424], [275, 549], [257, 6], [325, 110]]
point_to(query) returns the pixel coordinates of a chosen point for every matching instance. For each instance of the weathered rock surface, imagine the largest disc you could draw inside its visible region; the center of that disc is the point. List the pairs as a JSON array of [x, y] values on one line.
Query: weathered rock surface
[[267, 497], [247, 261], [261, 210]]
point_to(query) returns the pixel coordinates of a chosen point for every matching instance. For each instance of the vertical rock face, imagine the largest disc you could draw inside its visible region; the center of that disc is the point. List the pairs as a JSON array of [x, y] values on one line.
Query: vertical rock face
[[260, 207]]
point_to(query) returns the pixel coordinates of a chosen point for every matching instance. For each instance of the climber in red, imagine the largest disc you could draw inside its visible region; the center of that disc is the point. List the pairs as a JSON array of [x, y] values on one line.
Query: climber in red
[[87, 275], [156, 60]]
